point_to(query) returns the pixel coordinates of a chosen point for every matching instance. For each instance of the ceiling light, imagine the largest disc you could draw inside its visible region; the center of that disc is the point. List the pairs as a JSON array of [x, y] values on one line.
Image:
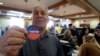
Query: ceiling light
[[1, 3], [38, 0], [83, 10], [15, 13], [25, 1]]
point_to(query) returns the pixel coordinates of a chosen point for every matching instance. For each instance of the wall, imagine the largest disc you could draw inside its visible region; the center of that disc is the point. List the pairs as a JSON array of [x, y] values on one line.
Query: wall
[[65, 22], [28, 22], [93, 22], [4, 22]]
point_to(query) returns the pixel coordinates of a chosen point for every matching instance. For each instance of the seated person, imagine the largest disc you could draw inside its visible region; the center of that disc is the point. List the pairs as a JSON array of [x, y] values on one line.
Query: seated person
[[90, 46], [71, 39]]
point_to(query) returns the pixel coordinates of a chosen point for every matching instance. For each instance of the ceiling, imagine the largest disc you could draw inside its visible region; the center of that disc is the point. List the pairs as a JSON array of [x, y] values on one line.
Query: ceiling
[[95, 4], [28, 4], [67, 10], [73, 9]]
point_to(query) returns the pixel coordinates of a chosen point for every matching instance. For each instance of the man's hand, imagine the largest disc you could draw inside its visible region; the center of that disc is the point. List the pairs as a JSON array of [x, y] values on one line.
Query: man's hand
[[12, 41]]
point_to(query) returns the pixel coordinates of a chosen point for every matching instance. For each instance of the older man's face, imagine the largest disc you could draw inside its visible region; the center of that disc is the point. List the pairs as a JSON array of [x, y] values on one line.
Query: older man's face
[[40, 17]]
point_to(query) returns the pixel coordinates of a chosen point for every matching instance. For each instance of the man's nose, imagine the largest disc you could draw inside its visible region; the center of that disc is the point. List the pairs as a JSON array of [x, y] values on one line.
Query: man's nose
[[40, 15]]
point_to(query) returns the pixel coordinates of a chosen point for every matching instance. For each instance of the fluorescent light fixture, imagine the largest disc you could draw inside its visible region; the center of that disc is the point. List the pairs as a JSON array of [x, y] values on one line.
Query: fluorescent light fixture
[[28, 16], [50, 10], [1, 3], [56, 19], [15, 13]]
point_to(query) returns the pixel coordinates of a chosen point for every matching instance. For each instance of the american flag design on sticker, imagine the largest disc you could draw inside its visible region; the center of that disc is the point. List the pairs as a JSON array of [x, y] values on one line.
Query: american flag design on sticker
[[33, 33]]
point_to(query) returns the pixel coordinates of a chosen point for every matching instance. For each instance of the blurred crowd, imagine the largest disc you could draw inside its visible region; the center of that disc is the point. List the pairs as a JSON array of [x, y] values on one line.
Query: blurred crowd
[[86, 40]]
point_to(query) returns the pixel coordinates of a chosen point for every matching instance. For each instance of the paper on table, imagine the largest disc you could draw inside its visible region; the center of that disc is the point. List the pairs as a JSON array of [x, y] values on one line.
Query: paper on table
[[63, 41]]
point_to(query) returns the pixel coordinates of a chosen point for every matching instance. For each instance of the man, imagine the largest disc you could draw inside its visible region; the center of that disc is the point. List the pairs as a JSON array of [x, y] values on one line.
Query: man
[[97, 33], [15, 43]]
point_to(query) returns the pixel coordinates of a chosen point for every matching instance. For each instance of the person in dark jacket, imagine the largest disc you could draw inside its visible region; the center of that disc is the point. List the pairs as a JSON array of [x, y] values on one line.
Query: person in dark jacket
[[97, 33], [20, 42]]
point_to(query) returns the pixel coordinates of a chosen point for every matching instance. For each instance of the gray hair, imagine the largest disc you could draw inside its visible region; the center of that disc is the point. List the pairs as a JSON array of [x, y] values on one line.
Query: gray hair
[[44, 7]]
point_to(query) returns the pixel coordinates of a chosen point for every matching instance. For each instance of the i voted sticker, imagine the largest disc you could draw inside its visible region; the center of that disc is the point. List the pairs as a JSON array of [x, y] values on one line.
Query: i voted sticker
[[33, 33]]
